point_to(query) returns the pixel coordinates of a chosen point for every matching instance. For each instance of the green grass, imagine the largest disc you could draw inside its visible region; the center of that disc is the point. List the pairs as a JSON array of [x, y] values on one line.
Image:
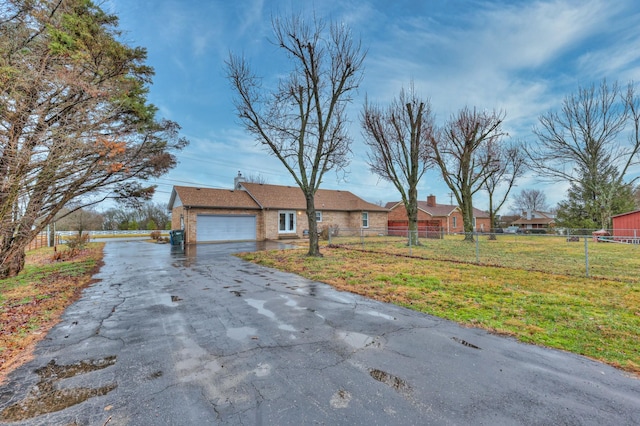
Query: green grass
[[598, 318], [543, 253], [31, 301]]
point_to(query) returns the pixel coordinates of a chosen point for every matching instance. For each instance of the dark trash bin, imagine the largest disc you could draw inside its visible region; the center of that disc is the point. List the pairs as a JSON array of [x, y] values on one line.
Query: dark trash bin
[[176, 237]]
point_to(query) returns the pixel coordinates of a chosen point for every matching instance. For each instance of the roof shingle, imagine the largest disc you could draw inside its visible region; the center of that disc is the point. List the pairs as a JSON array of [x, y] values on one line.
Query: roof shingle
[[258, 196], [439, 210], [291, 197], [214, 198]]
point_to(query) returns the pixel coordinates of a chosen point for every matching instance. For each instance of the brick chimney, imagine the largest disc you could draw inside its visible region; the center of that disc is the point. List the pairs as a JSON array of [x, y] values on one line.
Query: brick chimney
[[431, 200]]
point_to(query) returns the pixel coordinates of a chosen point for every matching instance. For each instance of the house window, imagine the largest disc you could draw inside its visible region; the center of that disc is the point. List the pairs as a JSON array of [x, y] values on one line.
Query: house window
[[455, 222], [318, 216], [474, 223], [287, 222], [365, 219]]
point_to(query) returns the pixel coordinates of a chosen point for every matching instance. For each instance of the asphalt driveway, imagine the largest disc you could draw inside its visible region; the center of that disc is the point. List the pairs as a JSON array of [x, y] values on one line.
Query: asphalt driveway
[[202, 338]]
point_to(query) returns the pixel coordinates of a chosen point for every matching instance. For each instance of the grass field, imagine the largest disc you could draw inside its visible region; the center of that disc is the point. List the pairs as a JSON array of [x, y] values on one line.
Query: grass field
[[544, 253], [31, 302], [594, 317]]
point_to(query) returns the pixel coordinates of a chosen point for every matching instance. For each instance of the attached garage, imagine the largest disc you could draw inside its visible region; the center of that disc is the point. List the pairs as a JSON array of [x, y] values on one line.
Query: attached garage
[[210, 228]]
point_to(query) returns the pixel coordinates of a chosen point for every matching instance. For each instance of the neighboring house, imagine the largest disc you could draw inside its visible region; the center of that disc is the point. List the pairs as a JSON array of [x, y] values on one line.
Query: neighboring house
[[626, 227], [435, 217], [254, 211], [504, 221], [535, 220]]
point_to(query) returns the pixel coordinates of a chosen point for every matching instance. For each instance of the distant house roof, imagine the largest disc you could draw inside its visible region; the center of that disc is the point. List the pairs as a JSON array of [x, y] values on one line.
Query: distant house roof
[[264, 196], [438, 210], [211, 198], [535, 218]]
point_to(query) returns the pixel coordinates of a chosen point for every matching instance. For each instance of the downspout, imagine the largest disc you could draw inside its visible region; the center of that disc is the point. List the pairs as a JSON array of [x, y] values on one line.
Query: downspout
[[187, 225]]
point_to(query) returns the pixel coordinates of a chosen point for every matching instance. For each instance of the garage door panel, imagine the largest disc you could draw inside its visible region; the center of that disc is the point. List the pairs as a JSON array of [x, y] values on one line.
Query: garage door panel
[[225, 228]]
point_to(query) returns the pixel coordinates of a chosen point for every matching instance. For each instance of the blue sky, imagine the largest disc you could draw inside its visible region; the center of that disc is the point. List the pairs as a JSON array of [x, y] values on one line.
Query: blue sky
[[521, 57]]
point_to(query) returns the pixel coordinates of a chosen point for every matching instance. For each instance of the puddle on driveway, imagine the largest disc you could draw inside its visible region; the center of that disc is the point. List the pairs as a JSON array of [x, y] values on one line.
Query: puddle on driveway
[[356, 340], [378, 314], [259, 306], [46, 398], [241, 333]]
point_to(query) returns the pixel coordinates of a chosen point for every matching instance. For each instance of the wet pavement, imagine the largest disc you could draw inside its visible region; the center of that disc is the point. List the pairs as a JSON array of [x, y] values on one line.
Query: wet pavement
[[199, 337]]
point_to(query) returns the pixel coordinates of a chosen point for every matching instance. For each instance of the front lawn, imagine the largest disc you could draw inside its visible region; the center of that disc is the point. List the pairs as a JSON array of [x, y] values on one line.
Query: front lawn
[[598, 318], [31, 302]]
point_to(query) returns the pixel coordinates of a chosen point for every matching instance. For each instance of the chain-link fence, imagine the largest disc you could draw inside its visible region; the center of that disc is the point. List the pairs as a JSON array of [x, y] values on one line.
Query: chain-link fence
[[601, 256]]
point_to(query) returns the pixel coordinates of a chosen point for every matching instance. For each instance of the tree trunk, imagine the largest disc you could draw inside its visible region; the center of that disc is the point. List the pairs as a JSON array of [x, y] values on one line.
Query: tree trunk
[[314, 248], [13, 264], [467, 217], [412, 214], [492, 217], [15, 238], [492, 222]]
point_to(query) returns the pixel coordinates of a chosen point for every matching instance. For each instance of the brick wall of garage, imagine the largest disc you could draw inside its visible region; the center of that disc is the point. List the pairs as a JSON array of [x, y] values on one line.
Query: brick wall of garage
[[191, 220], [175, 217]]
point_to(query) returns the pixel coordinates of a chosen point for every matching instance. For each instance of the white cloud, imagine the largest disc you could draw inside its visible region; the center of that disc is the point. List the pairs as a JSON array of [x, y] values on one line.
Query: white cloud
[[502, 56], [520, 56]]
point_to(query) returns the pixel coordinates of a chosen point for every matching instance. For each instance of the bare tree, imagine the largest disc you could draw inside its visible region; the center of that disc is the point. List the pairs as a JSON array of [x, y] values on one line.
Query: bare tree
[[75, 124], [154, 214], [147, 215], [399, 138], [509, 162], [585, 144], [529, 200], [80, 220], [303, 121], [463, 150], [256, 178]]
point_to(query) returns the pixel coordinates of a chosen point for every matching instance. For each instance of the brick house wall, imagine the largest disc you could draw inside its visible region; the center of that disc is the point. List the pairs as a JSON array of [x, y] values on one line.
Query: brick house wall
[[483, 224], [267, 221], [343, 220], [176, 213]]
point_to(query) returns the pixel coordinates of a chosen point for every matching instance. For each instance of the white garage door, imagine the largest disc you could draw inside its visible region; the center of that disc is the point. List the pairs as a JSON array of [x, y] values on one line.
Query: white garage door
[[225, 228]]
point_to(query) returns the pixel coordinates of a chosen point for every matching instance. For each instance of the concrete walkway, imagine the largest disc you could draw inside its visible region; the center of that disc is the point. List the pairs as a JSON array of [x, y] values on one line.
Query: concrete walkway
[[202, 338]]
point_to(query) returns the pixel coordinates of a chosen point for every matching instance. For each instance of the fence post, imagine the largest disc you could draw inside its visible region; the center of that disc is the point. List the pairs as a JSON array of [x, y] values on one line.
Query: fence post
[[410, 241], [362, 237], [329, 235], [586, 254], [477, 247]]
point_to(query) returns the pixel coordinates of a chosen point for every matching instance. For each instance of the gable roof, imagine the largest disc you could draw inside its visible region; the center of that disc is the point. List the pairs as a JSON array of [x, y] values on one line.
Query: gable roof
[[262, 196], [212, 198], [291, 197], [439, 210]]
